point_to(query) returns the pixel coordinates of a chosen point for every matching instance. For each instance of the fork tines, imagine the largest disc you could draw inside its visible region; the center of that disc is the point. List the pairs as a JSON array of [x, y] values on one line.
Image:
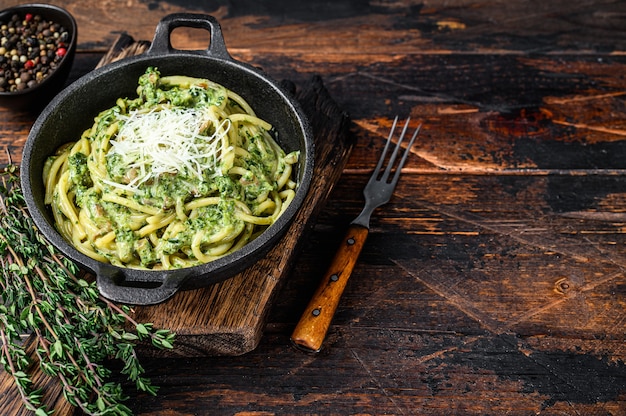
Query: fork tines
[[392, 159]]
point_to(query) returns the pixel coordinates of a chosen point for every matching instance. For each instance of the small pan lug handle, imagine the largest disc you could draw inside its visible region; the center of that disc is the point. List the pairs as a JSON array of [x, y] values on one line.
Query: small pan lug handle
[[161, 43], [113, 287]]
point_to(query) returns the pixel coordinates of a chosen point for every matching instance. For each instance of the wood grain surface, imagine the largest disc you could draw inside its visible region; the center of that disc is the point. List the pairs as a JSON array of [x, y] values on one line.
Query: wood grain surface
[[493, 281]]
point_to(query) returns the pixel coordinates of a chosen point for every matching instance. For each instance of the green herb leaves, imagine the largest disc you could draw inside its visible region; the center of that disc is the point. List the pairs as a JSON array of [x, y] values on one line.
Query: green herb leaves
[[76, 331]]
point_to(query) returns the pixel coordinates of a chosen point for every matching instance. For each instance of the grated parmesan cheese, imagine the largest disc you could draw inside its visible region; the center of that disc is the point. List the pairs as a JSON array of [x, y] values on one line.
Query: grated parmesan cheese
[[168, 141]]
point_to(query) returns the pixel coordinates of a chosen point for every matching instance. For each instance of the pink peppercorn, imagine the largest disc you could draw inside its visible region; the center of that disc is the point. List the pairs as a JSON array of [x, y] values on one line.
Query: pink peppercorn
[[61, 52]]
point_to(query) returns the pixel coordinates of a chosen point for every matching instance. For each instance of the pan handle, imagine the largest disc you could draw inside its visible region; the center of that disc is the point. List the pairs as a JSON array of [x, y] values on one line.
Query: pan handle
[[114, 287], [162, 44]]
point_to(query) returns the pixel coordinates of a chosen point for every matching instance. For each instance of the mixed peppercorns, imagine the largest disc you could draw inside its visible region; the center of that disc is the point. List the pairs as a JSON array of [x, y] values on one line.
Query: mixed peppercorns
[[30, 49]]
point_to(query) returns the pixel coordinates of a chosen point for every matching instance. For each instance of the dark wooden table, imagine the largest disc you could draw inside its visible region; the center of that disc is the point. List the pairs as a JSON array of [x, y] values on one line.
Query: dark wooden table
[[493, 282]]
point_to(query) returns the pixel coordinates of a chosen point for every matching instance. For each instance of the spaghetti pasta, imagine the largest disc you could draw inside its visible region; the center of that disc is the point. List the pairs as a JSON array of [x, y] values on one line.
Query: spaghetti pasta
[[179, 176]]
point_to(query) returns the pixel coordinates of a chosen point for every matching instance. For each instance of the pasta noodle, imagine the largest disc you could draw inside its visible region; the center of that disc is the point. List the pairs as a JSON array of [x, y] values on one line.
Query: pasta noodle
[[179, 176]]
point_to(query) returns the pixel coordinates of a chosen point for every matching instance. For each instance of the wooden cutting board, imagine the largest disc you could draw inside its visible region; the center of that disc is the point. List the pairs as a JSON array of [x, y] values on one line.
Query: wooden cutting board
[[228, 318]]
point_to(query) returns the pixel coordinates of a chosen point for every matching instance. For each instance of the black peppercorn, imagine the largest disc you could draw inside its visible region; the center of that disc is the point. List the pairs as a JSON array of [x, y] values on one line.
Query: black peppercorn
[[30, 50]]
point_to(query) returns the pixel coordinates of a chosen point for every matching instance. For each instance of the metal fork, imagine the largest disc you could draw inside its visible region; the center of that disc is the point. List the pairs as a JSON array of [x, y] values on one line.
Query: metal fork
[[311, 330]]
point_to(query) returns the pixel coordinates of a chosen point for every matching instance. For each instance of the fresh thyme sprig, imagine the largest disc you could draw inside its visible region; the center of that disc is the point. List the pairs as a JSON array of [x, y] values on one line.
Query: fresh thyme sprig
[[76, 330]]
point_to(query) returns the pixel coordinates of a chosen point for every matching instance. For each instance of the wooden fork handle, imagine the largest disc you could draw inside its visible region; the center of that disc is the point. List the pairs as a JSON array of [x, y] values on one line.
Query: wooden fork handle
[[311, 330]]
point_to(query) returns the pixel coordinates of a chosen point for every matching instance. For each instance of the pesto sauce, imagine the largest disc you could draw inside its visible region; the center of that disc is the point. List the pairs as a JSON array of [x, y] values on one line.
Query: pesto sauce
[[165, 190]]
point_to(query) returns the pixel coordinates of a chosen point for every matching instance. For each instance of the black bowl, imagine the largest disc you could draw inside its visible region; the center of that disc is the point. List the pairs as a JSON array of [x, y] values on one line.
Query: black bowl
[[73, 110], [38, 96]]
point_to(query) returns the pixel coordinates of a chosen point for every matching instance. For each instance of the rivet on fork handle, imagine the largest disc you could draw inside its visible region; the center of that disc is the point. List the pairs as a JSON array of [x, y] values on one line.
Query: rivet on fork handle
[[311, 330]]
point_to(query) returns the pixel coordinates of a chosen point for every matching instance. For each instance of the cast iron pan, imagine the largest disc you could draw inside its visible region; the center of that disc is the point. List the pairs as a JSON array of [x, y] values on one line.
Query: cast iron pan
[[73, 110]]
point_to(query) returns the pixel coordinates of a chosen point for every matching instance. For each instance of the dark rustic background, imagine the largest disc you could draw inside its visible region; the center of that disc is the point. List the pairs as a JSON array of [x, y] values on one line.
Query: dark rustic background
[[493, 283]]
